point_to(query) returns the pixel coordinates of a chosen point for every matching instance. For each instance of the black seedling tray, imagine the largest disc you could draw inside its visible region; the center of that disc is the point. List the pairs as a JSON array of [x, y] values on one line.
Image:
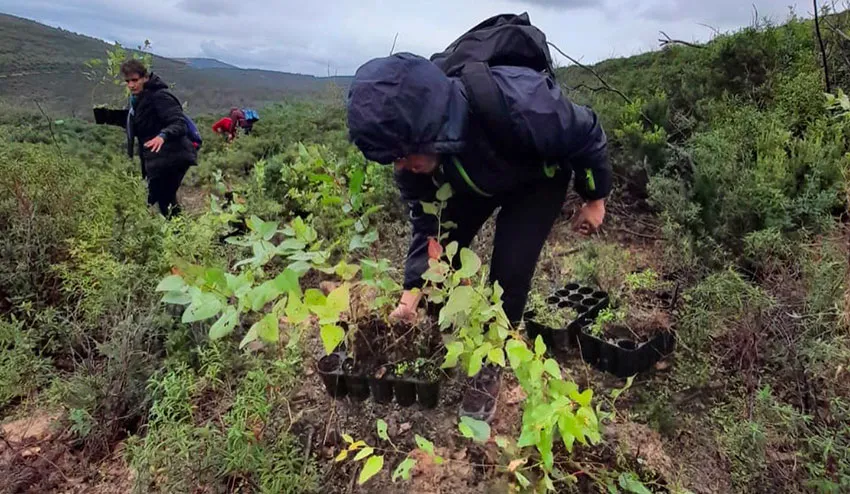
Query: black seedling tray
[[585, 300], [622, 357], [110, 116], [341, 380]]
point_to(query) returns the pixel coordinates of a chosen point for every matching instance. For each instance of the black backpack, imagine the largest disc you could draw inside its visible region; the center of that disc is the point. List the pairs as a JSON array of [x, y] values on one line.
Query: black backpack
[[505, 39]]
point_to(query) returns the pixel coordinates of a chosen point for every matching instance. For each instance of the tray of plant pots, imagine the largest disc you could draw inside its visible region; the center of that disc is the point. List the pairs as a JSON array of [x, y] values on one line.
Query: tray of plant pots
[[553, 317], [386, 361], [619, 350], [417, 380], [110, 116]]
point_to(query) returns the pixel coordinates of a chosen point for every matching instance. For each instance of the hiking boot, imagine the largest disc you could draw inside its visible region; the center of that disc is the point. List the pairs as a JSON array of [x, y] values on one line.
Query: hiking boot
[[479, 400]]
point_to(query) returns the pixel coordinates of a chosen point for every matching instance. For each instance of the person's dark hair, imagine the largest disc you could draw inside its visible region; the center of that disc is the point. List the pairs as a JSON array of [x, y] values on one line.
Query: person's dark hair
[[134, 66]]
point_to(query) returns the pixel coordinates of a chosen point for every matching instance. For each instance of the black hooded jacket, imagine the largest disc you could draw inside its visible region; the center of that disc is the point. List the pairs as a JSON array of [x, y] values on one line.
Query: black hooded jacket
[[155, 111], [404, 104]]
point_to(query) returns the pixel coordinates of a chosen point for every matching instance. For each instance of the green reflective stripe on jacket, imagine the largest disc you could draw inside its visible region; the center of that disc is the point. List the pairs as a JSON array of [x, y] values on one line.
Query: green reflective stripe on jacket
[[591, 183], [468, 180]]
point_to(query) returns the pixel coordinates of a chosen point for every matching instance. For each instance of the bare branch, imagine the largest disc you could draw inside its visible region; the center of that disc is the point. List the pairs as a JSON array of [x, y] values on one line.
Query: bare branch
[[667, 40], [822, 49], [393, 47], [585, 67]]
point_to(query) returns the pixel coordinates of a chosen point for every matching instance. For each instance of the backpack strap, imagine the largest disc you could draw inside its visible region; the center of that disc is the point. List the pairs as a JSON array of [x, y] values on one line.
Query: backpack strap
[[488, 105]]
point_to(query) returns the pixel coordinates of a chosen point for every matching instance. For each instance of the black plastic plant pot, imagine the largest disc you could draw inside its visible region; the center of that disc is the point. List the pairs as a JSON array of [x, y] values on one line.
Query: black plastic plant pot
[[576, 298], [572, 287], [381, 389], [405, 392], [534, 329], [564, 304], [356, 383], [562, 293], [561, 339], [585, 290], [590, 347], [428, 393], [358, 387], [600, 295], [329, 368], [554, 299]]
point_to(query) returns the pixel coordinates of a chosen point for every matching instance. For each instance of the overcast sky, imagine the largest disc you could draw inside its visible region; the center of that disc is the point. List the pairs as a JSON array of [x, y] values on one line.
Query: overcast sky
[[336, 36]]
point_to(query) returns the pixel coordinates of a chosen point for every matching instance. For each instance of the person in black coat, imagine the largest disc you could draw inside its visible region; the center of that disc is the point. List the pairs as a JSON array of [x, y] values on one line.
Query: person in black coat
[[155, 121], [403, 110]]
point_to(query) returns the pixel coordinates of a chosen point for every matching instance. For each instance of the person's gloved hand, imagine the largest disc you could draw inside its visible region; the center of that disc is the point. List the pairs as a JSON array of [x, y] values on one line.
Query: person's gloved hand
[[405, 311], [589, 218]]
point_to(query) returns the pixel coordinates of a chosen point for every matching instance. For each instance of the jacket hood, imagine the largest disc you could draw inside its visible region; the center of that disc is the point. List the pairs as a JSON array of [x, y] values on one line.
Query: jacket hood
[[404, 104], [155, 83]]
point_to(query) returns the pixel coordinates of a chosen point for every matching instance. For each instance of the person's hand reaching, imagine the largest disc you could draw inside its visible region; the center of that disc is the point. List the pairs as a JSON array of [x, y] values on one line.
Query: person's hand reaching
[[589, 218]]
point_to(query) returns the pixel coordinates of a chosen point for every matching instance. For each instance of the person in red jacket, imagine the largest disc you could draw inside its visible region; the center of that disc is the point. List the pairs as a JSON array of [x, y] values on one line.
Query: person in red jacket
[[225, 126]]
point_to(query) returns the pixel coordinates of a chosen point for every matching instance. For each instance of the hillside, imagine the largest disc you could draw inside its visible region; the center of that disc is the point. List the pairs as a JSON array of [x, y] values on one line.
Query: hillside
[[206, 63], [42, 63]]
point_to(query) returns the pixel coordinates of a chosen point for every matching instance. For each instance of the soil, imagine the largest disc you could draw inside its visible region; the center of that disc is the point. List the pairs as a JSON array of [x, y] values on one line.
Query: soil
[[379, 346], [37, 456]]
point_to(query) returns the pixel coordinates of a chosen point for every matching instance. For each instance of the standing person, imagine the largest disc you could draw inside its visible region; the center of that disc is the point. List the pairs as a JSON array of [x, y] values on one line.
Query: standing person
[[404, 110], [157, 122]]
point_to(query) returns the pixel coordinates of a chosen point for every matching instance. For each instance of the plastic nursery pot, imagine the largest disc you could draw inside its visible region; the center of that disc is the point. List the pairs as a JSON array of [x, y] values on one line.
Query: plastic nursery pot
[[381, 389], [563, 292], [561, 339], [553, 300], [405, 392], [572, 287], [564, 304], [585, 290], [356, 383], [575, 298], [428, 393], [589, 345], [600, 295], [329, 368]]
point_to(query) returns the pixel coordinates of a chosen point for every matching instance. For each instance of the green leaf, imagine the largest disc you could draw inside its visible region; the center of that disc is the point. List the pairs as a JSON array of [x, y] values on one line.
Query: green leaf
[[288, 282], [459, 301], [444, 192], [502, 442], [470, 263], [451, 250], [403, 469], [265, 229], [314, 297], [338, 299], [250, 336], [365, 452], [539, 346], [535, 371], [615, 393], [552, 368], [347, 438], [203, 307], [225, 324], [173, 283], [177, 298], [479, 430], [522, 480], [239, 285], [214, 277], [332, 336], [268, 329], [631, 483], [356, 181], [465, 430], [474, 366], [296, 311], [583, 398], [262, 294], [424, 444], [529, 437], [370, 469], [453, 351], [382, 430], [430, 208], [518, 353], [548, 482], [497, 356], [346, 271]]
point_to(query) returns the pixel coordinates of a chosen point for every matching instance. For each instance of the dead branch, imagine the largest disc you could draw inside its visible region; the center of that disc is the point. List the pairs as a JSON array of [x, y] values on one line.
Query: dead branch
[[822, 49], [667, 40], [393, 47], [595, 74]]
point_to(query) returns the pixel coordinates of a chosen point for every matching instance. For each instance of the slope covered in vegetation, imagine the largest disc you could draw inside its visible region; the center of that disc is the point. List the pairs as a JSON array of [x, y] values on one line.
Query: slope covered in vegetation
[[730, 202]]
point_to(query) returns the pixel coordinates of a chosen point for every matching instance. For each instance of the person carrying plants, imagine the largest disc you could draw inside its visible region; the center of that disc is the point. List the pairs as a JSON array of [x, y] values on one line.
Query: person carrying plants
[[502, 135], [165, 146]]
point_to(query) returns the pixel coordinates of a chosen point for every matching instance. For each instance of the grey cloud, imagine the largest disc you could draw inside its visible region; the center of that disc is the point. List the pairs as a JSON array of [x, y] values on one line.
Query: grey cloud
[[338, 36], [210, 7]]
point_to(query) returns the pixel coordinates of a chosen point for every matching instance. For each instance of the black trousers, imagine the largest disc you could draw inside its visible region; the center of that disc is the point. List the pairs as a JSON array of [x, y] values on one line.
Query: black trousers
[[162, 190], [522, 226]]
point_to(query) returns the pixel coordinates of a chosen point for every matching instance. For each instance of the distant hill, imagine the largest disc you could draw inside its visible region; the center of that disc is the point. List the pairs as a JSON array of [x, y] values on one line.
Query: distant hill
[[43, 63], [206, 63]]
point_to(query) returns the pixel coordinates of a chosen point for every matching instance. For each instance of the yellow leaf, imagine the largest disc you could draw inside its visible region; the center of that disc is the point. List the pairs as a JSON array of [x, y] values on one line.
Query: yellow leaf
[[342, 455]]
